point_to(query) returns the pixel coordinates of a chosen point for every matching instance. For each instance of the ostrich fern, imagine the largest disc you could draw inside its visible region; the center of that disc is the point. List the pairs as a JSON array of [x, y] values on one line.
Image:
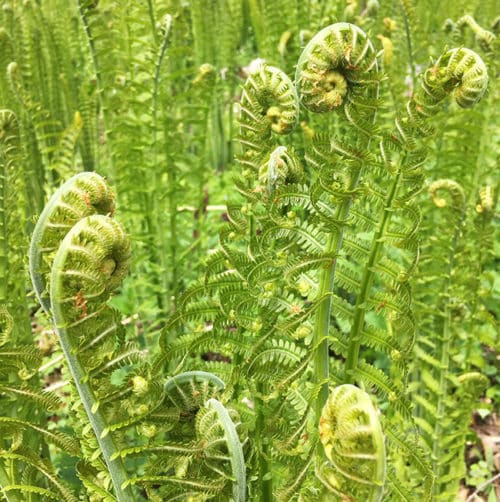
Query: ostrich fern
[[321, 349]]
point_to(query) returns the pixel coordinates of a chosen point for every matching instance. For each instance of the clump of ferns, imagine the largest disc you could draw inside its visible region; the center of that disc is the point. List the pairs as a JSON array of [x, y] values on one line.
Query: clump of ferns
[[350, 226], [128, 420], [445, 385]]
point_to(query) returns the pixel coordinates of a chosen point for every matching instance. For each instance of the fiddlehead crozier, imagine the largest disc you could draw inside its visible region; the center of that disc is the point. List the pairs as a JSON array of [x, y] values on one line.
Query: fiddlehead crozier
[[352, 437], [269, 104], [82, 195], [79, 257]]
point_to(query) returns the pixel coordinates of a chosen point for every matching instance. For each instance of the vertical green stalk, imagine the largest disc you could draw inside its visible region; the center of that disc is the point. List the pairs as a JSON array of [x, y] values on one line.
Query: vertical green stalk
[[409, 48], [322, 319], [366, 282], [106, 264], [161, 235], [151, 13], [116, 467], [4, 259], [100, 85], [262, 445], [444, 362], [172, 203]]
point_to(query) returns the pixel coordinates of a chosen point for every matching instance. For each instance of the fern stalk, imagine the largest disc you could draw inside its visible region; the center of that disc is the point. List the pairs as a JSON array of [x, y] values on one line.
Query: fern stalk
[[116, 466], [325, 83], [4, 260], [59, 306], [445, 361], [321, 359], [265, 470], [366, 282]]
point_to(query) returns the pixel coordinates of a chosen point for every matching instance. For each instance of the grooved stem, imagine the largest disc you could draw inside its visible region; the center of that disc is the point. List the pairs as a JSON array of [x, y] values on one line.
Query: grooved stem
[[262, 446], [366, 282], [116, 467], [444, 363], [4, 257], [98, 76], [410, 49], [322, 319]]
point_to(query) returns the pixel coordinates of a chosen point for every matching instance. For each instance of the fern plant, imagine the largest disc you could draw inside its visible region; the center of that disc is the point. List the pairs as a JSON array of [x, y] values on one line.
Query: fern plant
[[78, 256], [330, 348], [317, 261]]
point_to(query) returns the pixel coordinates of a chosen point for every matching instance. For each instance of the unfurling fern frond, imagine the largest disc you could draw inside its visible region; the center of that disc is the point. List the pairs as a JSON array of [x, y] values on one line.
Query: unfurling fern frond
[[460, 72], [269, 104], [336, 64], [352, 437], [89, 264], [83, 195], [486, 39], [79, 258]]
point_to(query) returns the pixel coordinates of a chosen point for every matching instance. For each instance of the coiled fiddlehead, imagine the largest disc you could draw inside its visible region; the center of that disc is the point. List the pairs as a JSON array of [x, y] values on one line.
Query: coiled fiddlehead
[[189, 390], [79, 257], [281, 168], [352, 437], [82, 195], [269, 104], [455, 190], [90, 263], [486, 39], [460, 72], [335, 64]]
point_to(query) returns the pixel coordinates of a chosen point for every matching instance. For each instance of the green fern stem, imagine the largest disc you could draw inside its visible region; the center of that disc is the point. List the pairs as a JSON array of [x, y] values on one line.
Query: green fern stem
[[158, 254], [6, 481], [8, 132], [151, 13], [366, 282], [336, 67], [4, 259], [263, 447], [234, 449], [84, 8], [321, 359], [90, 262], [409, 47], [458, 204], [108, 447]]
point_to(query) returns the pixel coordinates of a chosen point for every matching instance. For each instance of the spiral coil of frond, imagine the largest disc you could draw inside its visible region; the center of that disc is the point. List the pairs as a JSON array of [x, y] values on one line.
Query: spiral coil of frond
[[460, 72], [339, 69], [486, 39], [269, 104], [455, 190], [352, 437], [334, 64], [82, 195]]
